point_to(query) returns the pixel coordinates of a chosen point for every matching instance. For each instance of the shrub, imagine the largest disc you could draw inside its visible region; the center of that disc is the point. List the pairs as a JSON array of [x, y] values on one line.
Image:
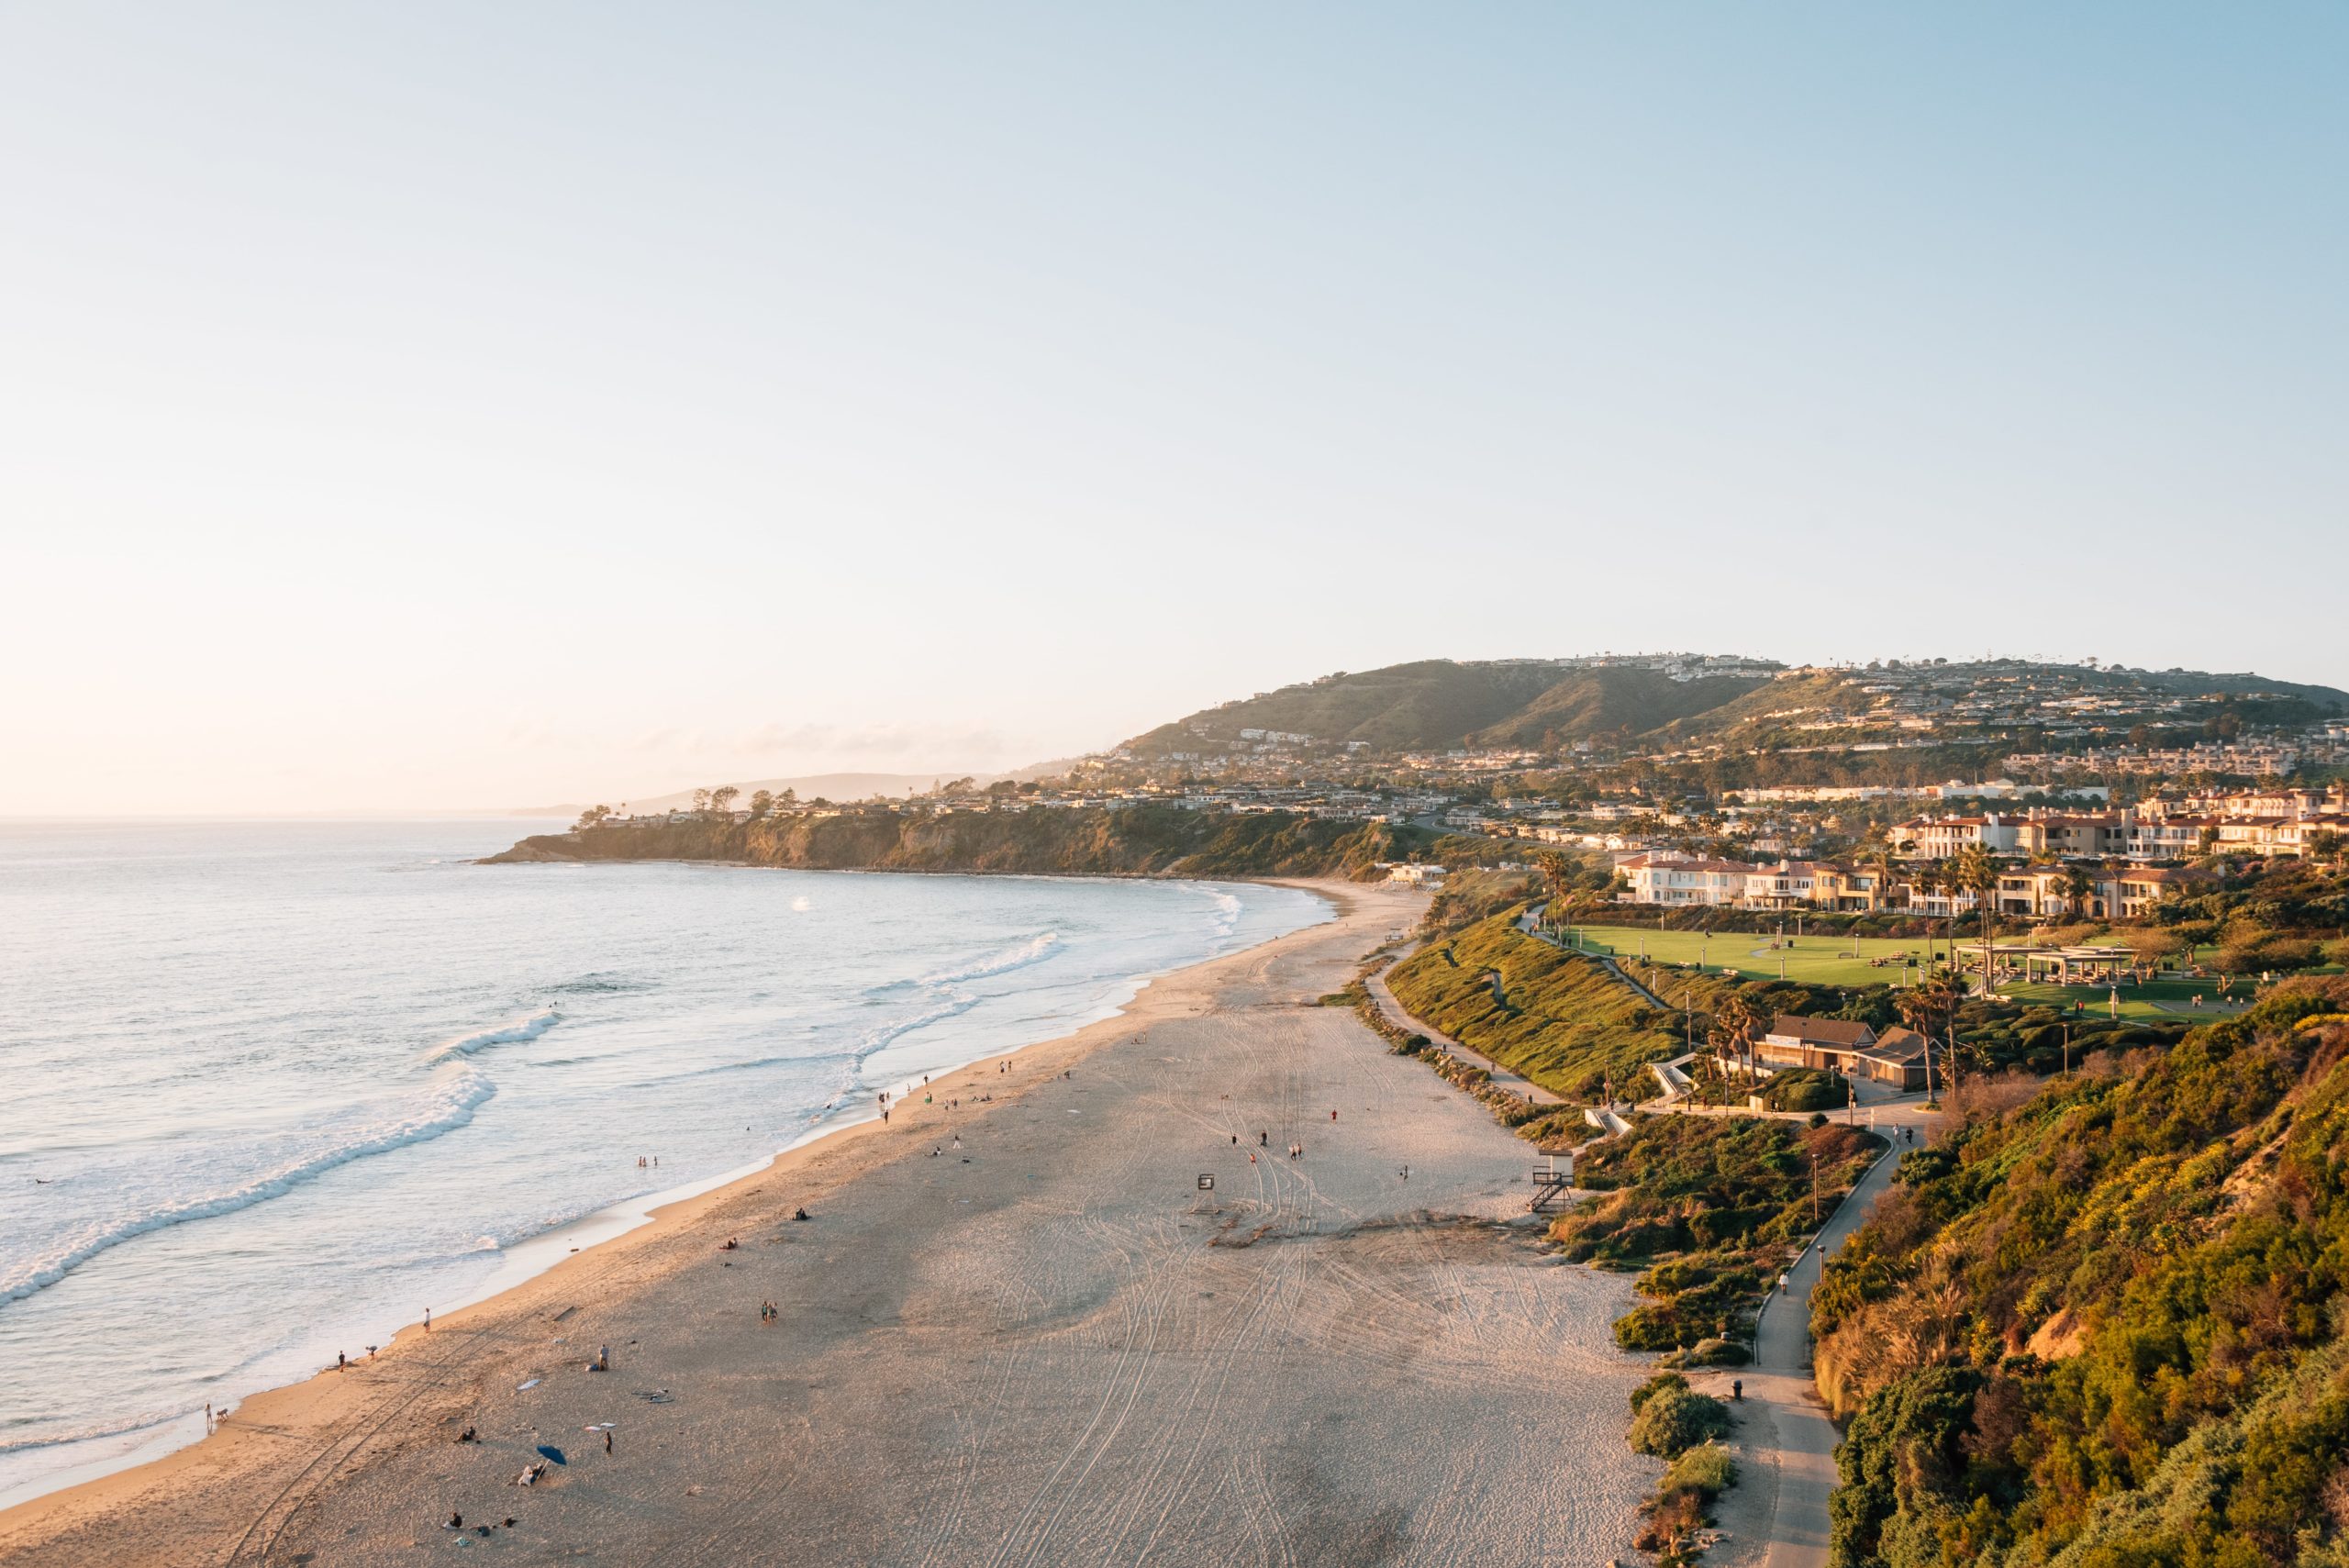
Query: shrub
[[1705, 1470], [1675, 1420], [1804, 1089], [1672, 1517], [1655, 1385], [1720, 1353]]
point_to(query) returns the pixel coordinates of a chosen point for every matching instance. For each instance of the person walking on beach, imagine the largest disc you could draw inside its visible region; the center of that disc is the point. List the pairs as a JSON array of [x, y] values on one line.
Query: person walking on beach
[[607, 1440], [428, 1319]]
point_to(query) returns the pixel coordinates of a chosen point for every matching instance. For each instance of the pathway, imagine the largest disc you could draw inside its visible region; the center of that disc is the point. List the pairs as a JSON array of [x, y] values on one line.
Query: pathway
[[1784, 1400], [1530, 923], [1515, 1083]]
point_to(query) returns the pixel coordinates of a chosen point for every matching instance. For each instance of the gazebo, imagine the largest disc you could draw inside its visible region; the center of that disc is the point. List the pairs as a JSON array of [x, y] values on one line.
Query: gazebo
[[2072, 965]]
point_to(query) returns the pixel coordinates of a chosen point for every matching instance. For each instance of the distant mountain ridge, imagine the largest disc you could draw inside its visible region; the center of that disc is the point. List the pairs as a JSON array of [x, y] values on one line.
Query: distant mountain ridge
[[1439, 703], [1548, 704]]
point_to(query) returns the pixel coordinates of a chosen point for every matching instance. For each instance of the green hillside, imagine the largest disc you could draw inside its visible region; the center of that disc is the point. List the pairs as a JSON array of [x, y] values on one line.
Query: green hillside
[[1560, 1017], [1438, 703], [1620, 702], [1148, 840], [2103, 1327], [1547, 704]]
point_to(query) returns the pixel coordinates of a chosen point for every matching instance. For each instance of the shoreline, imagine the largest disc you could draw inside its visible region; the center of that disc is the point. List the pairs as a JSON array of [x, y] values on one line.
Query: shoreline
[[1315, 1358], [616, 1222]]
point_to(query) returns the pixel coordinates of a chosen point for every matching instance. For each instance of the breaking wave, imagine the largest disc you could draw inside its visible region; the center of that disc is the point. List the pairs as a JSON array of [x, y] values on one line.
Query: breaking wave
[[448, 1105], [504, 1034], [1035, 950]]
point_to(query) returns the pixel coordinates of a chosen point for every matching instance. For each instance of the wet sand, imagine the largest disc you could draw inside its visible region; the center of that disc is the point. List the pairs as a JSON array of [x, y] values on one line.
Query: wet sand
[[1048, 1346]]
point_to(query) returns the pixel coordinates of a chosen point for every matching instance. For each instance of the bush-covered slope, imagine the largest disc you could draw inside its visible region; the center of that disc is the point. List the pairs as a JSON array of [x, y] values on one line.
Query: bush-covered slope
[[1135, 842], [1560, 1019], [1719, 1205], [2104, 1328], [1439, 703], [1621, 703]]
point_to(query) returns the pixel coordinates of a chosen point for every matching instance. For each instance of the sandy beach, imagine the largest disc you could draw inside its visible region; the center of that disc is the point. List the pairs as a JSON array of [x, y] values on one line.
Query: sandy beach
[[1011, 1331]]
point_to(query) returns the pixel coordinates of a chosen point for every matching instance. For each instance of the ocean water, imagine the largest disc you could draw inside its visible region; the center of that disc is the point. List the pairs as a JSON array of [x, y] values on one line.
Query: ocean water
[[268, 1091]]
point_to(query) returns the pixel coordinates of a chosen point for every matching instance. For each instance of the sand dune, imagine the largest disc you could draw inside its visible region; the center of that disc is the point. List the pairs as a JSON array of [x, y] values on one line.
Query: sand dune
[[1045, 1347]]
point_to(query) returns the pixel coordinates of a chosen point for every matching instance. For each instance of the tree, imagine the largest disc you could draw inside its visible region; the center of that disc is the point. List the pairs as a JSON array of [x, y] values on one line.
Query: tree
[[593, 816], [1919, 1010], [1976, 871], [1934, 1002], [1932, 877], [1737, 1024], [1885, 862], [761, 802], [2078, 883], [701, 802], [721, 800], [1555, 869]]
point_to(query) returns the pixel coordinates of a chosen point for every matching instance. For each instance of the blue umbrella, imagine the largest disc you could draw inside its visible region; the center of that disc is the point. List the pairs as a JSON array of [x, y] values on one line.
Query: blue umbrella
[[551, 1451]]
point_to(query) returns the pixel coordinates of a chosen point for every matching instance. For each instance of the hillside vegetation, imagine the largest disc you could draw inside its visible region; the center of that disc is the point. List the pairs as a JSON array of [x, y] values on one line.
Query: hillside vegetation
[[1559, 1017], [1438, 703], [1713, 1208], [2103, 1325], [1543, 705], [1132, 842]]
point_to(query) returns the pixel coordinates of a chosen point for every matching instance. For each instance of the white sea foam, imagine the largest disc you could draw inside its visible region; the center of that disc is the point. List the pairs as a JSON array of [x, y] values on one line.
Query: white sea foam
[[1228, 910], [273, 1034], [952, 1007], [447, 1105], [528, 1028], [1035, 950]]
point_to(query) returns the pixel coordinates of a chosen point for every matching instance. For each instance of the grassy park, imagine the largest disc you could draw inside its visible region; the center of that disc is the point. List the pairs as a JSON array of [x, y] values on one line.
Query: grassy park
[[1816, 960], [1873, 961]]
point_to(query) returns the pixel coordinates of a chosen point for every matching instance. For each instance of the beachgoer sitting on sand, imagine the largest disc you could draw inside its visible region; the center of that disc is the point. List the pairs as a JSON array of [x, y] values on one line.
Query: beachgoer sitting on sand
[[798, 1214], [456, 1521]]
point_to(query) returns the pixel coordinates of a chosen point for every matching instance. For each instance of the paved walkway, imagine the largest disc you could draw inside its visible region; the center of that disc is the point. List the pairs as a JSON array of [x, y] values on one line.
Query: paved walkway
[[1779, 1382], [1530, 923], [1515, 1083]]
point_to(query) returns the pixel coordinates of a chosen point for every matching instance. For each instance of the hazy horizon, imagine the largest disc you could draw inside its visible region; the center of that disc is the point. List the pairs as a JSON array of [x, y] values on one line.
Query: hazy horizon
[[441, 409]]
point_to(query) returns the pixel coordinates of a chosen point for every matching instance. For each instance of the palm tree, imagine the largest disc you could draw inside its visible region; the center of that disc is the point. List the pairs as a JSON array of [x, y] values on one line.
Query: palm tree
[[1737, 1023], [1918, 1009], [1554, 868], [1976, 871], [1931, 878], [1935, 1002], [1885, 862], [2078, 883]]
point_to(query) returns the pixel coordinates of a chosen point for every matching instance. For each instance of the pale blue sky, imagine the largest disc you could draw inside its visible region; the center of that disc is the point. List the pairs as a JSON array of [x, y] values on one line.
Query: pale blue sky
[[442, 406]]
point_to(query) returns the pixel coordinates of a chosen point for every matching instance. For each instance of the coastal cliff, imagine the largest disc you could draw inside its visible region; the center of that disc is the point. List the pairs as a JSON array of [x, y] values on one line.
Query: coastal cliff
[[1147, 841]]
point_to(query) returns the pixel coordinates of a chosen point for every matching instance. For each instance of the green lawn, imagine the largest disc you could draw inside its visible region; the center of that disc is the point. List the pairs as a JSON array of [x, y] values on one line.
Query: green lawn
[[1819, 960], [1828, 961]]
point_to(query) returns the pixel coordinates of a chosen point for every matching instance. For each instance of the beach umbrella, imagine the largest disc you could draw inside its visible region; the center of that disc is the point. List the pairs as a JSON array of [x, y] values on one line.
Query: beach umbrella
[[550, 1451]]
